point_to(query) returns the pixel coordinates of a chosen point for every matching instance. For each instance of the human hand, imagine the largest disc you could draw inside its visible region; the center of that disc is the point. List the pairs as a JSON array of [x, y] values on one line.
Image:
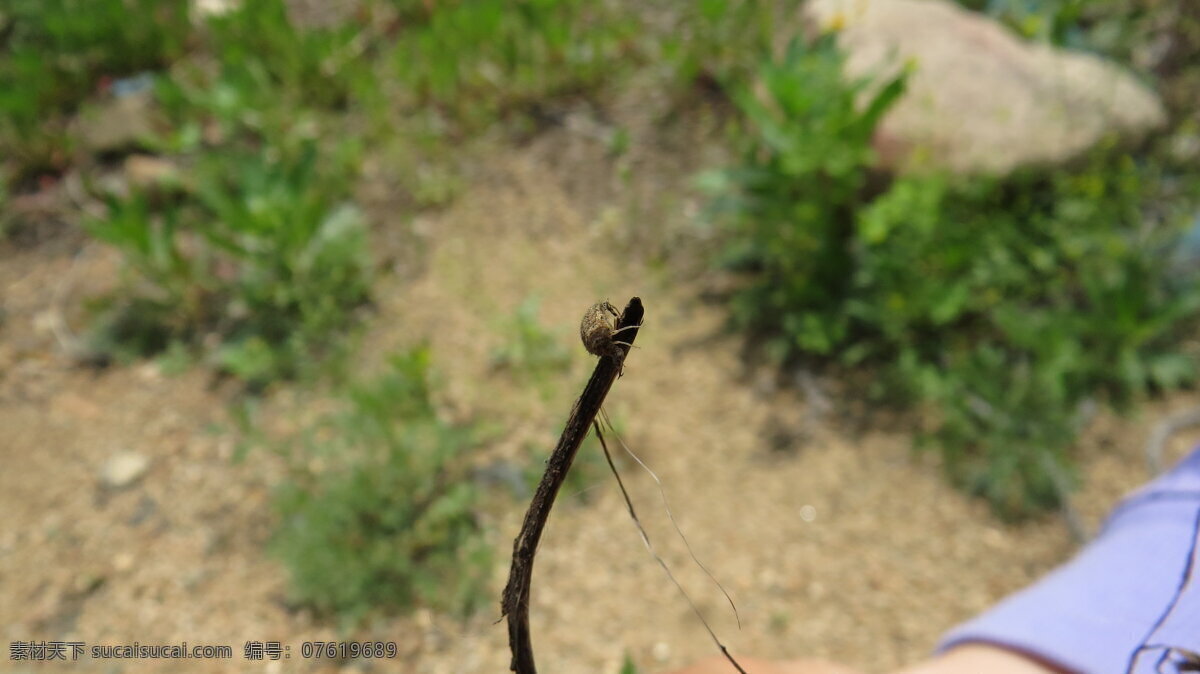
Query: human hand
[[719, 665]]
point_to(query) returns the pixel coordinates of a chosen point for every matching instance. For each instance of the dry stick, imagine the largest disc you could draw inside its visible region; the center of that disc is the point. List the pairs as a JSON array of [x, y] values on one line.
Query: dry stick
[[657, 558], [662, 492], [515, 602], [1162, 432]]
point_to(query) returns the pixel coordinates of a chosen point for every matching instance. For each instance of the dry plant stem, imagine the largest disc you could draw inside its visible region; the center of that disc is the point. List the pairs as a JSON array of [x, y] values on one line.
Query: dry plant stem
[[515, 602], [662, 492], [1162, 432], [659, 559]]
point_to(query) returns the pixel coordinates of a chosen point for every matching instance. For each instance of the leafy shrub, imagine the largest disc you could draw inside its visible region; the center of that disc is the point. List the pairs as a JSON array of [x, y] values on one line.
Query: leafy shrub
[[264, 254], [1053, 295], [385, 521], [1003, 307], [791, 201]]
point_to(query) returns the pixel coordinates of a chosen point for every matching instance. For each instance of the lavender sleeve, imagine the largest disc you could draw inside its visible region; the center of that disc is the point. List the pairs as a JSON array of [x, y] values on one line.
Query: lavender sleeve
[[1128, 602]]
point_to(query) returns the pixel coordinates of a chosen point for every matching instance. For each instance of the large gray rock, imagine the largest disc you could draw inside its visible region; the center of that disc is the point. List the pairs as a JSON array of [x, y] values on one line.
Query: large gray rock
[[980, 99]]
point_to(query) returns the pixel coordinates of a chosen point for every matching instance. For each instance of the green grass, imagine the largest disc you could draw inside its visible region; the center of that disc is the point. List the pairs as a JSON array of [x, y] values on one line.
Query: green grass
[[531, 352], [263, 78], [376, 514], [722, 41], [57, 53], [259, 267], [258, 262], [476, 61]]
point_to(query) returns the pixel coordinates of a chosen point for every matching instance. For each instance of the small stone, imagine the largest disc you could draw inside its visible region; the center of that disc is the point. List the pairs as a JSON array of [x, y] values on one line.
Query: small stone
[[123, 561], [117, 125], [661, 651], [124, 469], [207, 8], [45, 321], [146, 508], [143, 171], [808, 513], [150, 372]]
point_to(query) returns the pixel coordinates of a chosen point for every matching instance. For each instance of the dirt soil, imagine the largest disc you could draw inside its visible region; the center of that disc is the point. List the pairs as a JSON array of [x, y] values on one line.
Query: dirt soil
[[834, 540]]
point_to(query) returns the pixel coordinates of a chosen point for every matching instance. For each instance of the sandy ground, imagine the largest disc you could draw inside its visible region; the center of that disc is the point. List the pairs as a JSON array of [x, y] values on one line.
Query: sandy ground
[[834, 540]]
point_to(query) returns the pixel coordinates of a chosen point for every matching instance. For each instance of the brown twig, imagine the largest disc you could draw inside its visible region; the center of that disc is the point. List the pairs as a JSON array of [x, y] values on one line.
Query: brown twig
[[515, 602], [1162, 432]]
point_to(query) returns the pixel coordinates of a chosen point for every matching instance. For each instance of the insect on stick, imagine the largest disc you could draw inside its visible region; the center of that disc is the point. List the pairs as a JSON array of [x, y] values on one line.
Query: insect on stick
[[597, 331], [514, 603]]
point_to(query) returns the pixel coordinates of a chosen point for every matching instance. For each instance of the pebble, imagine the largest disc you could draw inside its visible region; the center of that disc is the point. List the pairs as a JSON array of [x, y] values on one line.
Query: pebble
[[145, 172], [117, 124], [122, 470], [123, 561]]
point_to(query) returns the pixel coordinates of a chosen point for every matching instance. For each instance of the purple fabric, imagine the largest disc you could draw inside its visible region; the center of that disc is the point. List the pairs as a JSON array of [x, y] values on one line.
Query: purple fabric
[[1126, 601]]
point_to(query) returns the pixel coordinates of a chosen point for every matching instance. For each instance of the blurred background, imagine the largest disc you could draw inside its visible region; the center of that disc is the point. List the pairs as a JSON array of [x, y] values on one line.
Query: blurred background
[[290, 293]]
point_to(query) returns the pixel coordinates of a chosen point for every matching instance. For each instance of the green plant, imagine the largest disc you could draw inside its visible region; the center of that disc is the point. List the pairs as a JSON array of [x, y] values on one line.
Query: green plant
[[1113, 27], [723, 40], [1004, 308], [792, 199], [259, 45], [56, 52], [377, 511], [1017, 304], [264, 254], [267, 78], [530, 350], [476, 60]]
